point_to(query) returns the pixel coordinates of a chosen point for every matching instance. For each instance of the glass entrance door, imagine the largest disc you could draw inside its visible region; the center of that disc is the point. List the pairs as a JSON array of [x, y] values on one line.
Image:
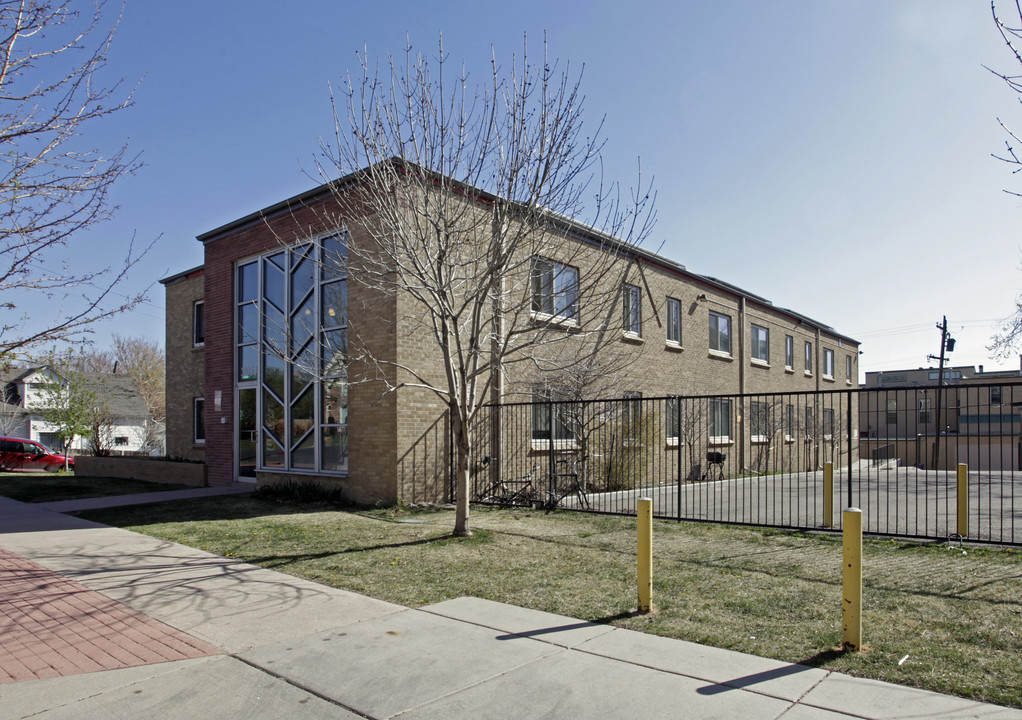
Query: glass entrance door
[[247, 439]]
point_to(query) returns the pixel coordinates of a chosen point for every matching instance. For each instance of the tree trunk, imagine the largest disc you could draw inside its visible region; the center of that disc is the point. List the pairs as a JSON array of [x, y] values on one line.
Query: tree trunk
[[461, 485]]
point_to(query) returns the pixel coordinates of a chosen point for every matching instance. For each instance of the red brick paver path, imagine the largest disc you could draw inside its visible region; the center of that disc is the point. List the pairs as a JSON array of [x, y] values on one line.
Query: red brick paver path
[[51, 626]]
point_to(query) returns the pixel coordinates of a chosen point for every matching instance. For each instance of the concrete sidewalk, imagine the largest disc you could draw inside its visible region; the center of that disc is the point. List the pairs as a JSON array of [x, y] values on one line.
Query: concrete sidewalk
[[276, 646]]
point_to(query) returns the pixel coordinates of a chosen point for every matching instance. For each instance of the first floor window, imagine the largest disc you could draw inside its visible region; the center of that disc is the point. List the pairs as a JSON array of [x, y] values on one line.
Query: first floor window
[[759, 420], [632, 306], [995, 395], [551, 419], [674, 321], [828, 423], [760, 343], [199, 420], [924, 410], [554, 289], [848, 368], [720, 420], [672, 419], [892, 411], [720, 333], [789, 422], [828, 363]]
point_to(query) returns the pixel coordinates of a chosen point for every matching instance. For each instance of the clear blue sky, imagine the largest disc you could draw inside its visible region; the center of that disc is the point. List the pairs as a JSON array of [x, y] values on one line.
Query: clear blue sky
[[833, 157]]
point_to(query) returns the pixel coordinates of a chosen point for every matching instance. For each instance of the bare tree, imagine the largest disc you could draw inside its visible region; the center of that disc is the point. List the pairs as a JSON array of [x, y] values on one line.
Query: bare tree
[[52, 185], [143, 359], [473, 196], [1005, 341]]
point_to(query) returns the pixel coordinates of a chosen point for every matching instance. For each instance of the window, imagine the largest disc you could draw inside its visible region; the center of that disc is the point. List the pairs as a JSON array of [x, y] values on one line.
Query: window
[[547, 408], [760, 343], [924, 410], [672, 419], [828, 363], [632, 307], [632, 413], [720, 420], [120, 440], [892, 411], [554, 289], [759, 421], [673, 321], [828, 423], [720, 333], [848, 368], [198, 324], [291, 355], [789, 422], [995, 395], [809, 358], [199, 420], [789, 352], [810, 428]]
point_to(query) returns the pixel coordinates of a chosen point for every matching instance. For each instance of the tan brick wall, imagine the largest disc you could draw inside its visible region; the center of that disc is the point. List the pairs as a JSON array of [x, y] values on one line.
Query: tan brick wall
[[185, 367]]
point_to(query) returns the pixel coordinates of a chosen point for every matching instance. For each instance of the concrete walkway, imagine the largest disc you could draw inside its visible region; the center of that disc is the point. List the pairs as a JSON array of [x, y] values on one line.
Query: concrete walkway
[[262, 644]]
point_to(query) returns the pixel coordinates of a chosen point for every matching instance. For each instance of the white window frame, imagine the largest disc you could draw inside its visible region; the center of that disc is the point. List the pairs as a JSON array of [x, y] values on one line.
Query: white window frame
[[789, 352], [759, 338], [809, 358], [554, 291], [759, 413], [631, 309], [715, 321], [674, 321], [672, 421], [198, 321], [848, 368], [723, 406], [828, 363]]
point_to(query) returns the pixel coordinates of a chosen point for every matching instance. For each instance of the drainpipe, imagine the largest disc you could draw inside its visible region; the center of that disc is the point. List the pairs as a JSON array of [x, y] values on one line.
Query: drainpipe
[[743, 360]]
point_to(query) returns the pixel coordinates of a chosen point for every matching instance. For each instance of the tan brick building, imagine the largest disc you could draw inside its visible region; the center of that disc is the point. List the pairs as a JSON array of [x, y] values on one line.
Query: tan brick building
[[283, 331]]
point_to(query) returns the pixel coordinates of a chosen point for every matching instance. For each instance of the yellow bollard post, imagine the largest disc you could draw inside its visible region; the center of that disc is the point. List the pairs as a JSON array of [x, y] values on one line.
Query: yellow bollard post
[[828, 495], [963, 500], [645, 570], [851, 606]]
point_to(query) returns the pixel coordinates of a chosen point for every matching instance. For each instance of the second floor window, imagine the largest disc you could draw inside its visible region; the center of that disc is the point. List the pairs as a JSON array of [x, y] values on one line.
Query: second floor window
[[760, 343], [199, 324], [632, 306], [809, 357], [720, 333], [828, 363], [789, 351], [674, 321], [554, 289]]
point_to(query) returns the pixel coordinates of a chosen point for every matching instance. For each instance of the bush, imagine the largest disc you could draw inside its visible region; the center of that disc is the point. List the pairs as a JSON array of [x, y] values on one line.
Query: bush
[[305, 492]]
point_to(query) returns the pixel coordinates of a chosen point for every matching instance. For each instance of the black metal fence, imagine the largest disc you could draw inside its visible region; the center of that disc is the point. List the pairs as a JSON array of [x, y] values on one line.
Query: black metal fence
[[763, 459]]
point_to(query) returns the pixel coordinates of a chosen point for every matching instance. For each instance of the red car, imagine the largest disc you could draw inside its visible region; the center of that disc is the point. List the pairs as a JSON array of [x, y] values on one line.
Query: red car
[[30, 456]]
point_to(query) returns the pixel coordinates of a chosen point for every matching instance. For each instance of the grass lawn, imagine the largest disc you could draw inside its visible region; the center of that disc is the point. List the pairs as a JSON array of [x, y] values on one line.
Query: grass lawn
[[933, 618], [50, 487]]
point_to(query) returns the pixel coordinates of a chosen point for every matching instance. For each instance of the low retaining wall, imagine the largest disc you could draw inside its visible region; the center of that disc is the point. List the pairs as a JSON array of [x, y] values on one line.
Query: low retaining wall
[[153, 470]]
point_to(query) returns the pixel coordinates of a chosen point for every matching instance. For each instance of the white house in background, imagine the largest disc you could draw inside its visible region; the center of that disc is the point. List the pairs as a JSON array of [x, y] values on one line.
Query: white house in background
[[24, 390]]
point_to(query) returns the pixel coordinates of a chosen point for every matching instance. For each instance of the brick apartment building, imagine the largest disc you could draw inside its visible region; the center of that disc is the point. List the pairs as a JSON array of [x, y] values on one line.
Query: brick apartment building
[[271, 279]]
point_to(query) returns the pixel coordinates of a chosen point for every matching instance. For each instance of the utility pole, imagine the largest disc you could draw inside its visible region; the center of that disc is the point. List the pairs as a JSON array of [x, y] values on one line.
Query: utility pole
[[947, 344]]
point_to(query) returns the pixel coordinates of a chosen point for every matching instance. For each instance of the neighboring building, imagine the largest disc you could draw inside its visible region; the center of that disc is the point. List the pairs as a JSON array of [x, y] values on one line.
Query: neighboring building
[[254, 417], [128, 427], [977, 415]]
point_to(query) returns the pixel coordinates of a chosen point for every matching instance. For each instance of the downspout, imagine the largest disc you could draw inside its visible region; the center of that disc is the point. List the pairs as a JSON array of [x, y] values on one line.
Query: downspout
[[742, 362]]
